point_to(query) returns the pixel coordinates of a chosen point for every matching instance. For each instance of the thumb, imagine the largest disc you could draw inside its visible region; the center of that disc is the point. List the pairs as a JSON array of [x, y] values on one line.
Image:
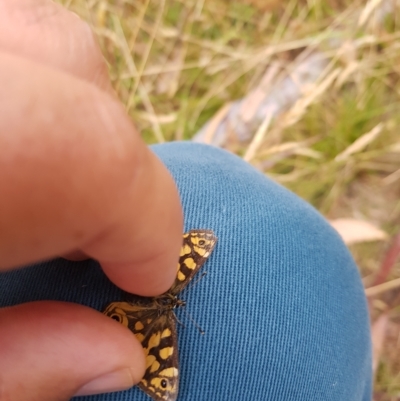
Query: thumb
[[52, 351]]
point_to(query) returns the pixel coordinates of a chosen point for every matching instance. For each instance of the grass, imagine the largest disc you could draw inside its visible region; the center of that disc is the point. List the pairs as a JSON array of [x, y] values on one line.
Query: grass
[[175, 64]]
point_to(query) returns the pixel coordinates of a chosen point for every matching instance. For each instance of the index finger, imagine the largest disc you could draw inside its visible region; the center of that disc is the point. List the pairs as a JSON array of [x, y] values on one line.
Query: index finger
[[75, 175]]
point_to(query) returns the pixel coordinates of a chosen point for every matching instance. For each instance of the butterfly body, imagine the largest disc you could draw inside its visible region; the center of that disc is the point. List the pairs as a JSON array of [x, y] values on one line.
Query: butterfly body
[[153, 322]]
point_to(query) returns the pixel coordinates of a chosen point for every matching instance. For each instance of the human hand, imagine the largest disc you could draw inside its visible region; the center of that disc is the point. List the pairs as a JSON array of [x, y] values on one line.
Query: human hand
[[75, 180]]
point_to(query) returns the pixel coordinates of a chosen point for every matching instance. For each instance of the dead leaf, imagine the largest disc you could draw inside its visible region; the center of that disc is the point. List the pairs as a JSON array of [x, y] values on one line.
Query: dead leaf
[[354, 231]]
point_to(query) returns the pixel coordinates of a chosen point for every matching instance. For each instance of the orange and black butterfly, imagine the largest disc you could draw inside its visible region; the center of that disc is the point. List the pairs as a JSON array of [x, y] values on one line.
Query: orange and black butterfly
[[153, 321]]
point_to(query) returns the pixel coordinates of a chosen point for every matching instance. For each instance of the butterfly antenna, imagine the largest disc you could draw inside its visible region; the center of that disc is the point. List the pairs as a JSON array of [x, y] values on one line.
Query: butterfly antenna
[[186, 312], [194, 322], [178, 321], [194, 283]]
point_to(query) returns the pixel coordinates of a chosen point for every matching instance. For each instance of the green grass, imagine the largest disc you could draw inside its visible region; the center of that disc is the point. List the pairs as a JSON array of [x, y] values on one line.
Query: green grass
[[175, 63]]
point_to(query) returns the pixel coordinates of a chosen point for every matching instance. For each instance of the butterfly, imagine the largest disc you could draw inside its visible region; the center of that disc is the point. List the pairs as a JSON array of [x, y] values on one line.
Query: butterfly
[[153, 321]]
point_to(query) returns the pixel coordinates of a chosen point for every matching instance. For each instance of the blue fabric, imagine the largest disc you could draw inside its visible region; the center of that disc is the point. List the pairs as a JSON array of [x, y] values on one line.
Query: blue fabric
[[282, 305]]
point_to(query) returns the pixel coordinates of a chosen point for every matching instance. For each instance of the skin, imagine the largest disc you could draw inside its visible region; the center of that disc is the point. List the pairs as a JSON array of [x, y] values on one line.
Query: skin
[[76, 180]]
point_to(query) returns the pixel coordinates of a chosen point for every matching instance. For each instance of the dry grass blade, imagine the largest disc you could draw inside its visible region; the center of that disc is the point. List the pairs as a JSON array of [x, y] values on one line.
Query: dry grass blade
[[258, 138], [392, 178], [312, 96], [143, 93], [381, 288], [361, 143], [149, 44], [369, 8]]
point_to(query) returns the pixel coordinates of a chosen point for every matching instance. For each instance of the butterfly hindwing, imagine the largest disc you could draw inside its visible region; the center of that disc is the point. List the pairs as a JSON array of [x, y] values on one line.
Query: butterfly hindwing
[[153, 321], [161, 379], [157, 334], [138, 316]]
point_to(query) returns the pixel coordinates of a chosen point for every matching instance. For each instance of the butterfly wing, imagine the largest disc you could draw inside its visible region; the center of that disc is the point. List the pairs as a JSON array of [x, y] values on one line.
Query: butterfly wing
[[157, 333], [197, 247]]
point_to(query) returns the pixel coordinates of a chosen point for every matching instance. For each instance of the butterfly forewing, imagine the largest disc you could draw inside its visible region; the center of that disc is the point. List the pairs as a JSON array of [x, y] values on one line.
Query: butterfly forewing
[[153, 321], [197, 247]]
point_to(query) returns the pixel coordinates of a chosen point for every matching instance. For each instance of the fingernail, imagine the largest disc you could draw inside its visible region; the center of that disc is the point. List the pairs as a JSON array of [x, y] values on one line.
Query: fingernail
[[114, 381]]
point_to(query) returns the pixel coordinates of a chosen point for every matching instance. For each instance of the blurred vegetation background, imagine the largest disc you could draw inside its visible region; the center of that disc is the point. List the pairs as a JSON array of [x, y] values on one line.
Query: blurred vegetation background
[[305, 90]]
